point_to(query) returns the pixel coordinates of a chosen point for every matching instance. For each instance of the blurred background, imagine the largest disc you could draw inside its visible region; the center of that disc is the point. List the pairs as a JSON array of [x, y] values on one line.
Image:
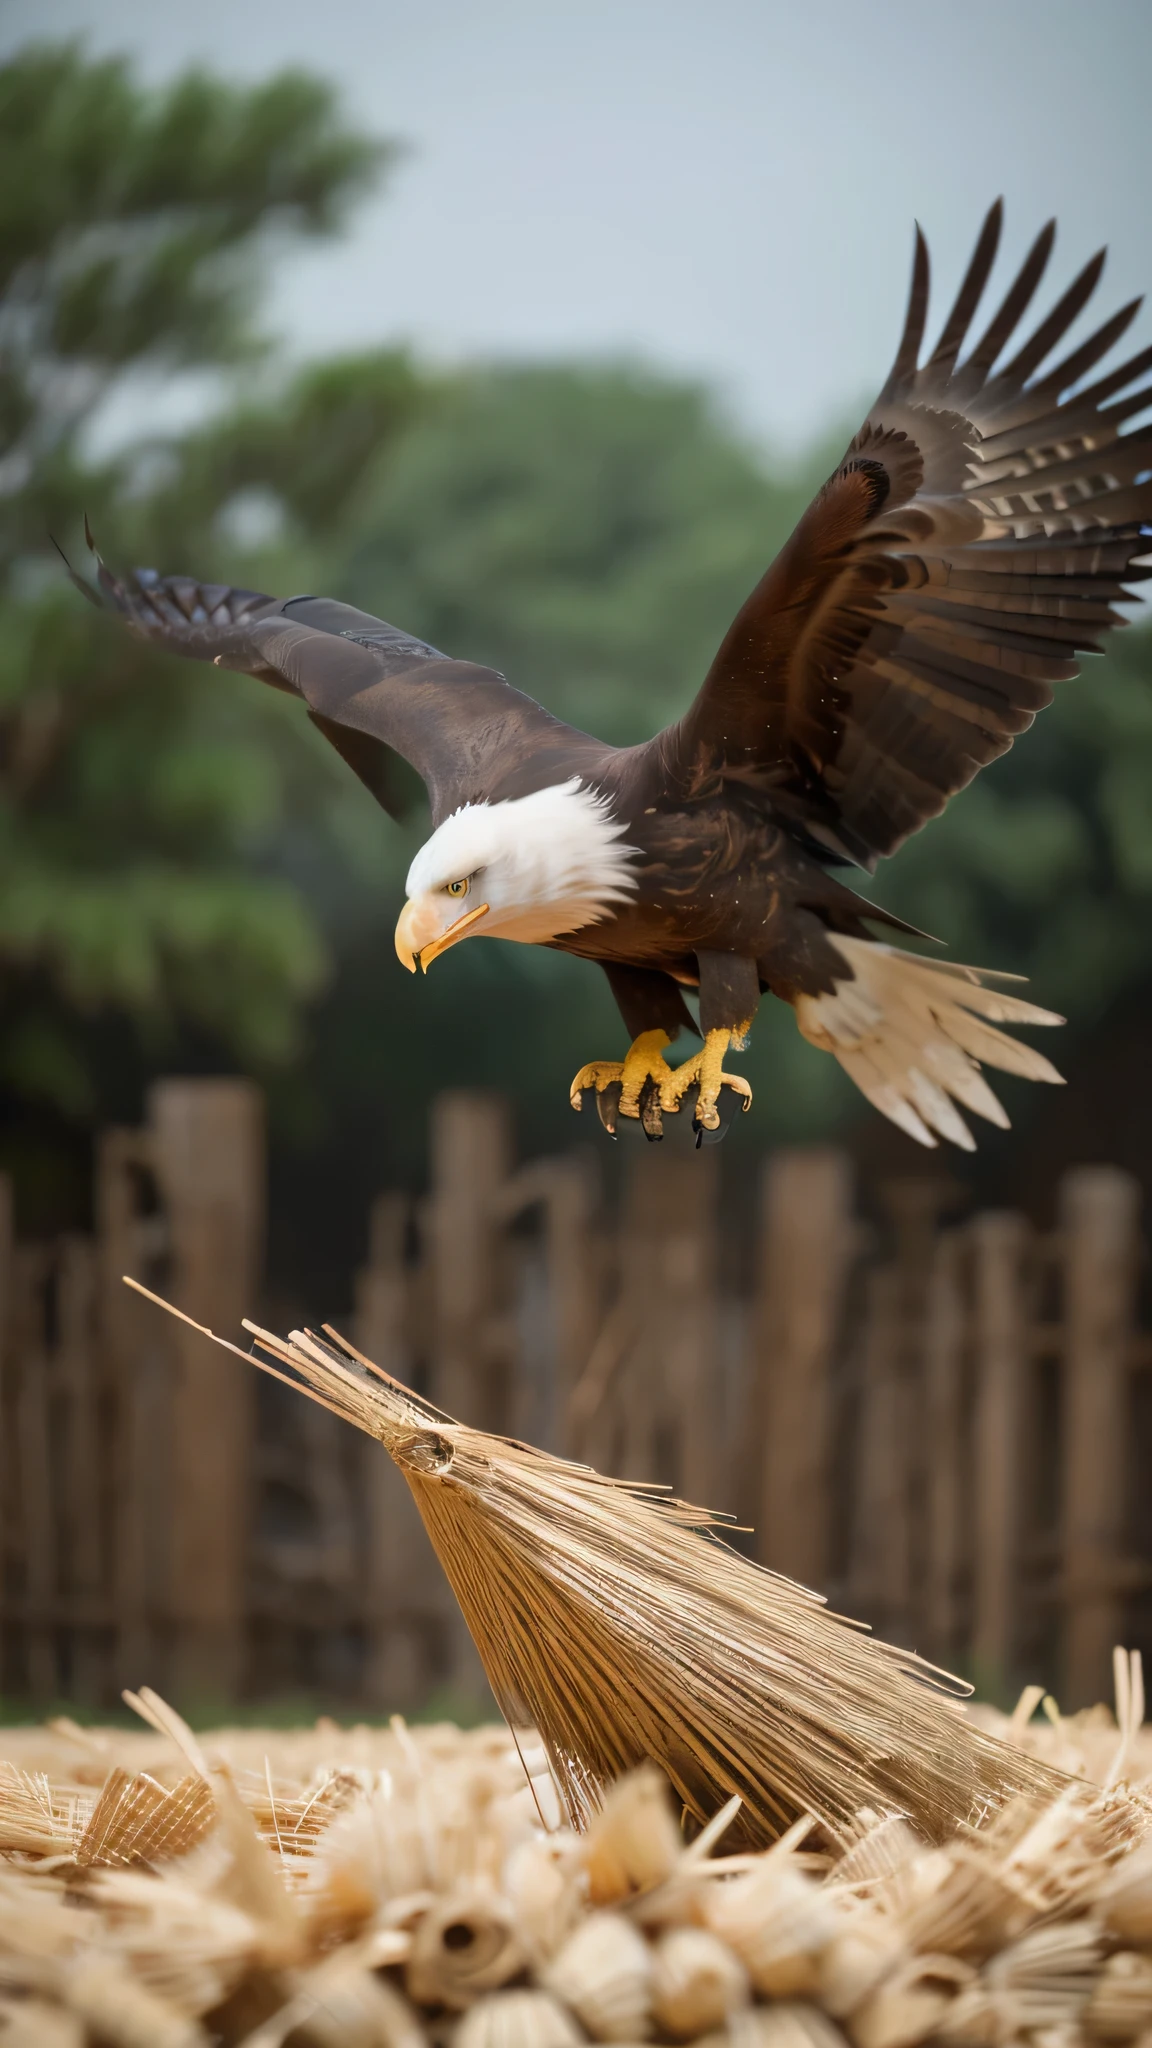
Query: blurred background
[[532, 330]]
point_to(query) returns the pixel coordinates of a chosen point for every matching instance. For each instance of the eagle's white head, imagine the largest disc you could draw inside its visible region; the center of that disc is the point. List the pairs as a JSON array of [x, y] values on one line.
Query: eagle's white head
[[530, 869]]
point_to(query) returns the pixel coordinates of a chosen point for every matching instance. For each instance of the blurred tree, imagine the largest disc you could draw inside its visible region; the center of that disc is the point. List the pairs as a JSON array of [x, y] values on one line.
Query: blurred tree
[[1044, 865], [134, 228], [588, 531], [137, 801]]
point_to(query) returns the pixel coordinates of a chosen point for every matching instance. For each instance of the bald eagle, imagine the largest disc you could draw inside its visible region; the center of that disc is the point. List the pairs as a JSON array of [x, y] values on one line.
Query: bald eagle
[[973, 541]]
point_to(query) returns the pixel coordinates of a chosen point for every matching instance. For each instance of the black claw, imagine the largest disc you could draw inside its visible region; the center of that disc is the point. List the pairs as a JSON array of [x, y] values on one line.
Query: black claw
[[608, 1106], [651, 1115], [652, 1123], [728, 1105]]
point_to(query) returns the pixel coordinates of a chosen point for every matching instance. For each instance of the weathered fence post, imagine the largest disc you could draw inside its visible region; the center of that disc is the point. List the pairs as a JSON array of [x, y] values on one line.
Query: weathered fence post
[[565, 1191], [7, 1250], [9, 1532], [471, 1160], [405, 1597], [1099, 1211], [136, 1360], [947, 1466], [575, 1256], [1002, 1323], [879, 1577], [806, 1242], [209, 1161], [669, 1394], [914, 1204], [40, 1575], [81, 1463]]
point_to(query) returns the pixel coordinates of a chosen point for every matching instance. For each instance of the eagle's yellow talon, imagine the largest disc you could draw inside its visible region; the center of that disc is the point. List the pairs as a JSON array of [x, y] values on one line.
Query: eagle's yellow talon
[[644, 1062], [598, 1074], [705, 1069]]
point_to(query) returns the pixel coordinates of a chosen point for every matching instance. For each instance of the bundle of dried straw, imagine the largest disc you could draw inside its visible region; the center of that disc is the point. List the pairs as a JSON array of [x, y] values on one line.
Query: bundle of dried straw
[[616, 1622]]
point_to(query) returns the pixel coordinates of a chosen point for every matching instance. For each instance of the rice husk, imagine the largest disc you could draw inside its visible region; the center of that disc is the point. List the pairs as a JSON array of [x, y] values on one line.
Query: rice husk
[[318, 1911]]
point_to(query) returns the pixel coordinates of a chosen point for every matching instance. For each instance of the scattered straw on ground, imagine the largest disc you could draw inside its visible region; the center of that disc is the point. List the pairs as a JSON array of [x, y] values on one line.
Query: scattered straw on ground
[[386, 1888]]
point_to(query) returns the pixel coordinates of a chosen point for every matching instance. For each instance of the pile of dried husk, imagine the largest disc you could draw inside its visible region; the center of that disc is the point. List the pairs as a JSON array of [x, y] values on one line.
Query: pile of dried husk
[[371, 1888]]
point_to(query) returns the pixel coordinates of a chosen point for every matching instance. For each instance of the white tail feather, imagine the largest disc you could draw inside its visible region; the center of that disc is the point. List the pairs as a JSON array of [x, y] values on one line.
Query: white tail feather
[[912, 1032]]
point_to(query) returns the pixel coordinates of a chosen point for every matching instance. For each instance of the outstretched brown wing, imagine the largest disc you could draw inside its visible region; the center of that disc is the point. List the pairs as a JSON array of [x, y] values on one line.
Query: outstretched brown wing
[[374, 691], [974, 540]]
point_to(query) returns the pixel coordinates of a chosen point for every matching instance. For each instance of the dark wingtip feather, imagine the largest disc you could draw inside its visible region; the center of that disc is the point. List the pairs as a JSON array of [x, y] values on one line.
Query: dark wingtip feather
[[109, 584], [78, 582], [1076, 365], [1015, 302], [908, 353], [93, 550], [1059, 320], [972, 287], [1124, 373]]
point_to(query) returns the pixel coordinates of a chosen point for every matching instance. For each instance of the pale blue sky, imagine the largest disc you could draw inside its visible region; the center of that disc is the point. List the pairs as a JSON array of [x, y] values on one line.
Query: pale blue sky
[[726, 188]]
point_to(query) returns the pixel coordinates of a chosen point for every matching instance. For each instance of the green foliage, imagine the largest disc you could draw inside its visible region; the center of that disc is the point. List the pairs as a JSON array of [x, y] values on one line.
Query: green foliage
[[1044, 866], [142, 803], [307, 453], [588, 531], [132, 223]]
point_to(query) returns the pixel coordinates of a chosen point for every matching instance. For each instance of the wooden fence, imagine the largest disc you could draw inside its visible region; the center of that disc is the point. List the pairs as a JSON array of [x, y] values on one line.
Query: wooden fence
[[943, 1426]]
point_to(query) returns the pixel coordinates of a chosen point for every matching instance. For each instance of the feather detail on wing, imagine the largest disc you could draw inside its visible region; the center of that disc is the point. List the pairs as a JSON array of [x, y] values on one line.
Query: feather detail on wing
[[977, 537], [912, 1033], [373, 690]]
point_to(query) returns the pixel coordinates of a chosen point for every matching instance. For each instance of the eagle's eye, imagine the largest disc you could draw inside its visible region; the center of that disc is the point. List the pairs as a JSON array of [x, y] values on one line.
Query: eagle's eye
[[457, 888]]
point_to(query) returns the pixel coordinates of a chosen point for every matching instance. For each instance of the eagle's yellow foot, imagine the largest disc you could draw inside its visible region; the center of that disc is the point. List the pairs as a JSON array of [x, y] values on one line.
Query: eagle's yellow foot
[[644, 1062], [649, 1087], [705, 1069]]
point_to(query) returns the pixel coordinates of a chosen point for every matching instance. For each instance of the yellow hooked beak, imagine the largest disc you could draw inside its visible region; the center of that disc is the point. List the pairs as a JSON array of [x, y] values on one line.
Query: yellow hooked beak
[[419, 942]]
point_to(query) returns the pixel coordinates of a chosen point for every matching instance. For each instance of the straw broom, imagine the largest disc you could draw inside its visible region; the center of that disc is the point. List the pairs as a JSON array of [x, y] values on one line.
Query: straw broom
[[615, 1621]]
